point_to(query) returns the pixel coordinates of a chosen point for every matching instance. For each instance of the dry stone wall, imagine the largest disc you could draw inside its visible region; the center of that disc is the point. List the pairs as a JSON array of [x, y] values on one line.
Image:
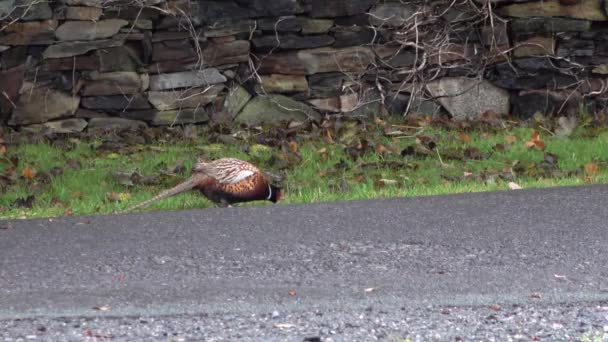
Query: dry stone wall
[[74, 65]]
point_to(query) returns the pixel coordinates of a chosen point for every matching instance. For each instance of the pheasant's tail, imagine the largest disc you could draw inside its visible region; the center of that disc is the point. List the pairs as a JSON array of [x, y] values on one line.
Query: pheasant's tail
[[184, 186]]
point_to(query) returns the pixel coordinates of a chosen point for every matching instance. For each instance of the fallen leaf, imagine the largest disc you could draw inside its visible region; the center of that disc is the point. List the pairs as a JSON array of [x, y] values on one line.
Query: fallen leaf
[[510, 139], [536, 295], [292, 292], [28, 172], [465, 138], [426, 141], [118, 196], [467, 174], [514, 186], [369, 289], [591, 169], [293, 146], [535, 142]]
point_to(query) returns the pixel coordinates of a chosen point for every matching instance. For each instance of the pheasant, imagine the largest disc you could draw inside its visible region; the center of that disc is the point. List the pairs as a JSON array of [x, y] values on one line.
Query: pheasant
[[224, 181]]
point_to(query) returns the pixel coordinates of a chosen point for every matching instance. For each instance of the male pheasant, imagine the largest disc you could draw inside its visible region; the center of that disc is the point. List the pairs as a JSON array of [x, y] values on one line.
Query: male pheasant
[[224, 182]]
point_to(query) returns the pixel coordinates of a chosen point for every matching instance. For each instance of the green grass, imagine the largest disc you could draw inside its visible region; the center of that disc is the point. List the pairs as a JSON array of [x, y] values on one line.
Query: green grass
[[325, 171]]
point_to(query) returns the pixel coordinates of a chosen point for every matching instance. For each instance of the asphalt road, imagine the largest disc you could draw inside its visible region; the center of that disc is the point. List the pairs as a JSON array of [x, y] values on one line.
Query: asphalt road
[[260, 268]]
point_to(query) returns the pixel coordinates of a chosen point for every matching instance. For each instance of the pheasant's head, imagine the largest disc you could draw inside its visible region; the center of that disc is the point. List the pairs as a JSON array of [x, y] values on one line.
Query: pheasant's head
[[275, 194]]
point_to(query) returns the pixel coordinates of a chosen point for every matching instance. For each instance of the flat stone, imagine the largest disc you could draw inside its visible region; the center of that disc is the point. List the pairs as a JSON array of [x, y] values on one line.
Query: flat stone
[[189, 98], [108, 124], [64, 126], [275, 110], [42, 105], [549, 25], [4, 48], [82, 13], [496, 35], [229, 28], [30, 33], [118, 58], [69, 49], [534, 46], [366, 104], [28, 10], [114, 83], [185, 79], [587, 9], [315, 26], [236, 99], [143, 24], [115, 102], [78, 63], [396, 56], [280, 24], [172, 50], [275, 7], [397, 104], [392, 14], [10, 83], [284, 83], [600, 69], [549, 103], [339, 8], [290, 42], [326, 84], [89, 114], [169, 117], [161, 36], [330, 104], [89, 30], [468, 98], [308, 62], [575, 47], [227, 53], [352, 36]]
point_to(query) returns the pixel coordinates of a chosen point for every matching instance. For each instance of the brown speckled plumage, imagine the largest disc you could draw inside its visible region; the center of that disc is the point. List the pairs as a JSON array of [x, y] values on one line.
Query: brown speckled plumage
[[224, 181]]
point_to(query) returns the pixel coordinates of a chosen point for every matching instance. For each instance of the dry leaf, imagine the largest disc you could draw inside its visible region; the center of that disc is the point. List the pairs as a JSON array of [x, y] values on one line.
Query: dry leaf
[[292, 292], [510, 139], [465, 138], [535, 142], [380, 149], [514, 186], [591, 169], [28, 172], [495, 307], [536, 295], [467, 174], [369, 289], [293, 146], [2, 149], [322, 150], [118, 196]]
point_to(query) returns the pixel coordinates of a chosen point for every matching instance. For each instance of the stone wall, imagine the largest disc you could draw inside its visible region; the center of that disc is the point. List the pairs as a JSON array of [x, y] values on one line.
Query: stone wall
[[73, 65]]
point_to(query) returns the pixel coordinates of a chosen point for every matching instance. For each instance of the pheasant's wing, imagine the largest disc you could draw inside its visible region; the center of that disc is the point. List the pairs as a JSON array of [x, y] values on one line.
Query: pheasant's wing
[[227, 170]]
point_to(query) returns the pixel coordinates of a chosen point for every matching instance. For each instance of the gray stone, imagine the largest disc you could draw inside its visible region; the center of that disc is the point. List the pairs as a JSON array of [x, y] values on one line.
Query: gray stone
[[549, 25], [468, 98], [308, 62], [69, 49], [392, 14], [89, 114], [28, 10], [280, 24], [169, 117], [236, 99], [100, 125], [283, 83], [528, 103], [171, 50], [10, 84], [275, 7], [189, 98], [353, 36], [118, 58], [185, 79], [587, 9], [64, 126], [115, 102], [291, 41], [339, 8], [326, 84], [43, 104], [229, 28], [82, 13], [89, 30], [274, 110], [115, 83], [496, 35], [575, 47], [315, 26], [397, 104], [365, 104], [6, 7]]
